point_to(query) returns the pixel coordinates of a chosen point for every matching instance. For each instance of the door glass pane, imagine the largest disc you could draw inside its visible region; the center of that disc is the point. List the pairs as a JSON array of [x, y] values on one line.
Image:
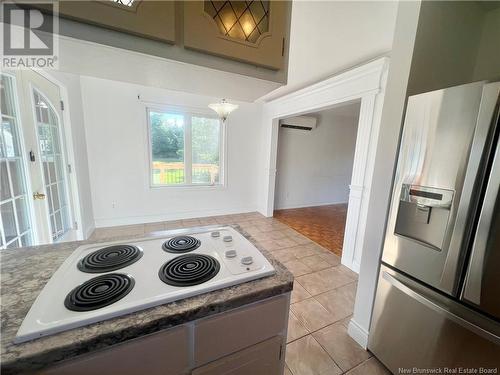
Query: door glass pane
[[14, 209], [167, 147], [59, 168], [49, 133], [4, 182], [13, 244], [46, 171], [9, 137], [58, 221], [65, 218], [15, 169], [22, 214], [55, 140], [62, 193], [44, 113], [52, 169], [45, 139], [49, 197], [8, 221], [26, 239], [55, 197], [6, 98], [3, 152], [206, 150], [53, 227]]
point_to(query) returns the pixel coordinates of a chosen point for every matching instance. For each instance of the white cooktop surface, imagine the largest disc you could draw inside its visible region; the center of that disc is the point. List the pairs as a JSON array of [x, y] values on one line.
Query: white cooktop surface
[[48, 315]]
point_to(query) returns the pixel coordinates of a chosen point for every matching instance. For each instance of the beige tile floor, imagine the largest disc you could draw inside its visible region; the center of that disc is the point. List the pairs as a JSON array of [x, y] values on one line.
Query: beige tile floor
[[322, 299]]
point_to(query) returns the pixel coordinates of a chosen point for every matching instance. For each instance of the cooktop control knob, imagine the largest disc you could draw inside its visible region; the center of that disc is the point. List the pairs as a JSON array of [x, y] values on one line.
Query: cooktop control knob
[[215, 234], [246, 261], [230, 253], [227, 238]]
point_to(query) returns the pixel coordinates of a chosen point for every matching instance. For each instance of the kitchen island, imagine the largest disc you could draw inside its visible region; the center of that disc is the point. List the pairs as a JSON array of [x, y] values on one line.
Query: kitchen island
[[196, 331]]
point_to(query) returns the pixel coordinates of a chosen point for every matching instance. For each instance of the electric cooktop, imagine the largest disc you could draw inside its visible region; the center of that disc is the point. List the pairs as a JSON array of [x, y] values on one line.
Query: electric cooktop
[[106, 280]]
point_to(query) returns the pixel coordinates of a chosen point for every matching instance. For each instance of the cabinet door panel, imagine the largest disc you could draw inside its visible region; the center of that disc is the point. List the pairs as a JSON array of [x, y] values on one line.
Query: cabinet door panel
[[251, 31], [157, 354], [150, 19], [229, 332], [263, 358]]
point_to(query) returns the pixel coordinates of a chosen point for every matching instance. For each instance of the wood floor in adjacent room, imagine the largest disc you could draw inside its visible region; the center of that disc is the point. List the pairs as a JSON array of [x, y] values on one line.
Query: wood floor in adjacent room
[[324, 225]]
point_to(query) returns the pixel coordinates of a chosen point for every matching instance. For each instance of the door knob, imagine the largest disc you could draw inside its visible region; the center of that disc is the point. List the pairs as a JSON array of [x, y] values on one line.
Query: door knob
[[38, 195]]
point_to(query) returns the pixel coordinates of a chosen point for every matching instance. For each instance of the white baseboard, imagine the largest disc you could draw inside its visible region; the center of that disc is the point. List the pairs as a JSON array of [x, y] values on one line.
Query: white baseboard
[[358, 333], [302, 205], [352, 265], [131, 220]]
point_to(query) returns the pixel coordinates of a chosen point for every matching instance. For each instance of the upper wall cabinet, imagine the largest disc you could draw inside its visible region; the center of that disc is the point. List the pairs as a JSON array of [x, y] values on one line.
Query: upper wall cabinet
[[250, 31], [150, 19]]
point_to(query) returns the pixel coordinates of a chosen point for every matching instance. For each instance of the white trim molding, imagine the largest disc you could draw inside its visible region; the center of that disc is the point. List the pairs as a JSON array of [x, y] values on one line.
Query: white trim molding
[[358, 333], [364, 83]]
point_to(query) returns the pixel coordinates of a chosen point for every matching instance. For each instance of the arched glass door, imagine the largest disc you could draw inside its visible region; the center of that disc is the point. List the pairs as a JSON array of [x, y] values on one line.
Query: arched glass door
[[36, 197], [54, 171]]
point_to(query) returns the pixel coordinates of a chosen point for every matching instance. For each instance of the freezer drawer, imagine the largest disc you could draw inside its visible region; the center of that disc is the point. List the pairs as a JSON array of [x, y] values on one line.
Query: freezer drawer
[[413, 326]]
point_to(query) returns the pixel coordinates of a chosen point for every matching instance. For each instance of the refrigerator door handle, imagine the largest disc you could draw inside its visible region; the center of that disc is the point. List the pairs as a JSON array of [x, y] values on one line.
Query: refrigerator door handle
[[406, 289], [474, 276]]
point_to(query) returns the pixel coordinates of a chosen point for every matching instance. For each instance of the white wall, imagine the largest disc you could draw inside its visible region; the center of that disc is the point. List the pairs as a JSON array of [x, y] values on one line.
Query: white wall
[[73, 106], [488, 56], [469, 30], [116, 131], [446, 45], [327, 37], [117, 64], [315, 167], [385, 159]]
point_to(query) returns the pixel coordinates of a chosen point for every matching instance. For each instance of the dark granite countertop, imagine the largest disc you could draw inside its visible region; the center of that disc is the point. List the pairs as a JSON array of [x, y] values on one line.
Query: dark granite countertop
[[25, 271]]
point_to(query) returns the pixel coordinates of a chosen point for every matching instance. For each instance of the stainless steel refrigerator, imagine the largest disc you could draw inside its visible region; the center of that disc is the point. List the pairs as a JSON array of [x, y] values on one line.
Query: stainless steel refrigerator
[[437, 303]]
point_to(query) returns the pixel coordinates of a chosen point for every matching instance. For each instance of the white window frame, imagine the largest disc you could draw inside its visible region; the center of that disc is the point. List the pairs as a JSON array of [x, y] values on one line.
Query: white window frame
[[188, 113]]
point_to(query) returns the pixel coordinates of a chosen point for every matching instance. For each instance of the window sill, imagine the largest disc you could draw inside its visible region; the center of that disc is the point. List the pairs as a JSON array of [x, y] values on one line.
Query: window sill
[[189, 187]]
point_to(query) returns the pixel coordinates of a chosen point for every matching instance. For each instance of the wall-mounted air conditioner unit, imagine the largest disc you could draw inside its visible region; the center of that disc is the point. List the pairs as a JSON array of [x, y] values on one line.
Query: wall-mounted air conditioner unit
[[299, 123]]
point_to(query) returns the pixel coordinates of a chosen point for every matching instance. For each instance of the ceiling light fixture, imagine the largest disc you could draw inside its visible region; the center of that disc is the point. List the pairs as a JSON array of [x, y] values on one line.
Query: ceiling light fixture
[[223, 108]]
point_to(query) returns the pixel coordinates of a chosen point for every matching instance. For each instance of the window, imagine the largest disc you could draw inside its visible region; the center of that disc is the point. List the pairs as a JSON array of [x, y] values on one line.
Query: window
[[186, 148]]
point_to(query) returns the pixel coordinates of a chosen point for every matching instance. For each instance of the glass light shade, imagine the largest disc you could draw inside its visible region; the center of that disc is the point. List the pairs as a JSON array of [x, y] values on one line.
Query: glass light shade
[[242, 20], [223, 108]]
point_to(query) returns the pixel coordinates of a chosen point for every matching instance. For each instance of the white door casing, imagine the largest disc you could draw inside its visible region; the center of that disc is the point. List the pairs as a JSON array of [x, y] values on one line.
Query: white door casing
[[365, 83]]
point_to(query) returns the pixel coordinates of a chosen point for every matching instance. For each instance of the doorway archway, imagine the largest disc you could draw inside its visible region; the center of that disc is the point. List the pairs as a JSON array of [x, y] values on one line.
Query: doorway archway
[[365, 83]]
